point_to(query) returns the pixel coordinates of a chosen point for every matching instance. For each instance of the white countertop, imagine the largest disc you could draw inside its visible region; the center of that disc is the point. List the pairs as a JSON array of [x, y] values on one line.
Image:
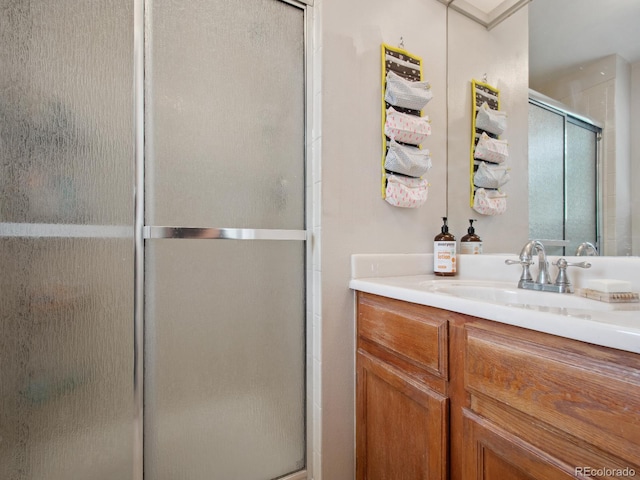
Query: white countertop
[[407, 277]]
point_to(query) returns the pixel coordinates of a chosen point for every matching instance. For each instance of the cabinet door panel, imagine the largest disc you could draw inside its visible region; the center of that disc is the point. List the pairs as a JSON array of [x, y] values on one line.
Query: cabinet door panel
[[491, 453], [401, 425]]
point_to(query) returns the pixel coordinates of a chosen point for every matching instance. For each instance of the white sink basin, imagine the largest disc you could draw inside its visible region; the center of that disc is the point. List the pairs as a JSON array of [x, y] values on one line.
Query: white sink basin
[[505, 294]]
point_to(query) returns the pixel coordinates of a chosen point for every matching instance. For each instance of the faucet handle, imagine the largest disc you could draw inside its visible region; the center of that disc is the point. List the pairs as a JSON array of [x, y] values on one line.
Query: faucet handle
[[562, 263], [518, 262], [526, 273], [562, 279]]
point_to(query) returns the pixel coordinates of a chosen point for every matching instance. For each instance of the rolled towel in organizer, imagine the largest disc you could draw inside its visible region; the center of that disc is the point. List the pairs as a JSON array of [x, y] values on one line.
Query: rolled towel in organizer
[[405, 93], [407, 160], [492, 121], [406, 128], [489, 202], [490, 176], [491, 149], [406, 192]]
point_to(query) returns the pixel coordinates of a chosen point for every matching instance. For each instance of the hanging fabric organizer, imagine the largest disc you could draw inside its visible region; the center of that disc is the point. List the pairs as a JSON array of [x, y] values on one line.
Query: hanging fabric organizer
[[404, 129], [489, 153]]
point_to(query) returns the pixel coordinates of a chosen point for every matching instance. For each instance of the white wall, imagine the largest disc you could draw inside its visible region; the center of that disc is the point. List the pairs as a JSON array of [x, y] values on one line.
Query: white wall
[[354, 217], [635, 158], [503, 55]]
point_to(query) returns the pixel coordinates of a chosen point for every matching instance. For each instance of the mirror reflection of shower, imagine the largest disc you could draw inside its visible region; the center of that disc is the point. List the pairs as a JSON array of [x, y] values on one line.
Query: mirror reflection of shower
[[564, 203], [587, 58]]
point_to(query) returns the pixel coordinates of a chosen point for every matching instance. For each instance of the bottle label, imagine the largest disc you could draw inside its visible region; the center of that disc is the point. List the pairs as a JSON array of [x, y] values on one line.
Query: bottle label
[[473, 248], [444, 257]]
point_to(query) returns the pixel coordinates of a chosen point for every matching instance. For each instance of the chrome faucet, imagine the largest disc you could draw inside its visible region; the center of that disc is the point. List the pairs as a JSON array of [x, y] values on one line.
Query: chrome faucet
[[586, 249], [526, 260], [543, 281]]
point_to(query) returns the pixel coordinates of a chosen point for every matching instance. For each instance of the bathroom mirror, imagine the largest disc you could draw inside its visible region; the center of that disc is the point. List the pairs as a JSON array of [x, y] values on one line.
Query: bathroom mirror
[[593, 47], [587, 56]]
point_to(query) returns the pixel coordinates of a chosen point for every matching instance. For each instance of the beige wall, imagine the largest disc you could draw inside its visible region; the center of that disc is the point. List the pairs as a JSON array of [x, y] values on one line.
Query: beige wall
[[355, 219], [353, 216]]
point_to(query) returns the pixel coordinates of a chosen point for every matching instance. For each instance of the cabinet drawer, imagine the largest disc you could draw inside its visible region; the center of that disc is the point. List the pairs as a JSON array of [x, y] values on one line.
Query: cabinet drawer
[[411, 332], [583, 393]]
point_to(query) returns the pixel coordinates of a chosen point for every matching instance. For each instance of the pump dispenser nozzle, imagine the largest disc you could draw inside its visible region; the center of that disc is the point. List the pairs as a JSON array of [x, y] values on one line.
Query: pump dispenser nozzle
[[445, 227], [471, 230]]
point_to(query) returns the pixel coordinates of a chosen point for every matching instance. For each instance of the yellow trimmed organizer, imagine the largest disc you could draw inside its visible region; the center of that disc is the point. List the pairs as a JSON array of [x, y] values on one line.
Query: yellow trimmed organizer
[[406, 65], [480, 92]]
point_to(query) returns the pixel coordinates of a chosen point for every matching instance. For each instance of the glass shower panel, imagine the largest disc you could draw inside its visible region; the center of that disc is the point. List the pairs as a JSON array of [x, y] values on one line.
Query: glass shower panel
[[66, 112], [224, 319], [66, 358], [224, 360], [225, 123], [546, 176], [581, 186], [66, 240]]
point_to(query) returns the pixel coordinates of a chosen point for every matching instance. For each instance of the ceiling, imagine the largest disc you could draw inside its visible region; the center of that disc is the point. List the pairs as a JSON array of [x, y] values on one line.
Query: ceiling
[[569, 33]]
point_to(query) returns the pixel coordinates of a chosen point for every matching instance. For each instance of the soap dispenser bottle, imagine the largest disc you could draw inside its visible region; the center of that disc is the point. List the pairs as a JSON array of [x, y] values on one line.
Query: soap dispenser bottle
[[471, 243], [444, 252]]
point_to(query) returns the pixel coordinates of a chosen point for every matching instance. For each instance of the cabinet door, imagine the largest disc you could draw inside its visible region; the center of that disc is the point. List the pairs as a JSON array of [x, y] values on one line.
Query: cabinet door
[[401, 425], [491, 453]]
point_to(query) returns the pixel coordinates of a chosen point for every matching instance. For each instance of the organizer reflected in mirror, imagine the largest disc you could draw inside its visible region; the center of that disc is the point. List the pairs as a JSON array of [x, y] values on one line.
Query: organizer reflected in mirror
[[583, 55]]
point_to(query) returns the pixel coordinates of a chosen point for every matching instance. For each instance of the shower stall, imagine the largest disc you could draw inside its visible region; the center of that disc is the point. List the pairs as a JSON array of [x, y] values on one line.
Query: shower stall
[[153, 239], [564, 177]]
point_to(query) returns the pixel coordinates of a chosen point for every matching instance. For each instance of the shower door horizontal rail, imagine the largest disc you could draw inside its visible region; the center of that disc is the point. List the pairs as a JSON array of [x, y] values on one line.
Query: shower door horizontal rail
[[222, 233], [60, 230]]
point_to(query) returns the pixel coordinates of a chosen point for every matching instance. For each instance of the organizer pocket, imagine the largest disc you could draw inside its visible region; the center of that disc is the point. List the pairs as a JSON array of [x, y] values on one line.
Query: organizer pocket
[[492, 121], [491, 149], [489, 202], [407, 160], [490, 176], [406, 192], [405, 93], [406, 128]]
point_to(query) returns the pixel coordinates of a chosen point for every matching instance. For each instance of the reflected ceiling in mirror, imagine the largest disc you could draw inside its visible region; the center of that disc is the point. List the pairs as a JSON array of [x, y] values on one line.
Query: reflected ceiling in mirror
[[487, 13], [566, 35]]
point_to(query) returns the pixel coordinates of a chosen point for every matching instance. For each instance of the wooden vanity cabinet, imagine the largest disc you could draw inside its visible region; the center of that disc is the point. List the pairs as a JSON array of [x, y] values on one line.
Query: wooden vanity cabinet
[[402, 411], [445, 395], [546, 407]]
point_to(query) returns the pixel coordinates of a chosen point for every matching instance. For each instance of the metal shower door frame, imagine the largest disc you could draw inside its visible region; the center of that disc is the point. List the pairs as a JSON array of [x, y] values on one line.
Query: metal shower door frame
[[144, 232]]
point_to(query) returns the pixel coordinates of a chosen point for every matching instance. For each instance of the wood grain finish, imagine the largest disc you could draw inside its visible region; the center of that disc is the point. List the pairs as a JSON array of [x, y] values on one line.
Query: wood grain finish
[[446, 395], [492, 453], [406, 330], [595, 402], [401, 426]]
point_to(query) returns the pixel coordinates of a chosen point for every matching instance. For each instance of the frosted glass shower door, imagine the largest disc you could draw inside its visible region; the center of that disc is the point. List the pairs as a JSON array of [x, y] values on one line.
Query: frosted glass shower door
[[66, 240], [546, 176], [225, 248], [563, 179]]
